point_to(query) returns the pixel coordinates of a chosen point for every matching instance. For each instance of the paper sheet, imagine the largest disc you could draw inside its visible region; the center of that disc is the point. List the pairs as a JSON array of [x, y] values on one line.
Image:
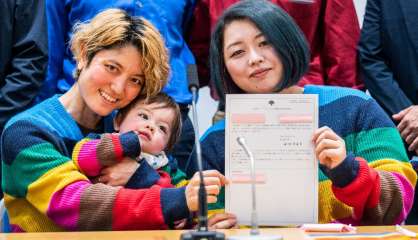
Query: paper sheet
[[278, 130]]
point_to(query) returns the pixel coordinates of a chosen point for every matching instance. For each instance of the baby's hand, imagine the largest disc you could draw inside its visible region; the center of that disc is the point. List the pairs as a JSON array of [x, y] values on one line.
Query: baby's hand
[[213, 182], [329, 147]]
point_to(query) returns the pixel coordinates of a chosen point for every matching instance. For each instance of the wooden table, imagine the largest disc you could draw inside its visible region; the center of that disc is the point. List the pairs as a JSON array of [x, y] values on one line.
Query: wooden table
[[287, 233]]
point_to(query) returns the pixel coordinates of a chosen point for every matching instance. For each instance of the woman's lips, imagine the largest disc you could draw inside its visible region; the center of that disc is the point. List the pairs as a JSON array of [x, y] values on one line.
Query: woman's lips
[[259, 73]]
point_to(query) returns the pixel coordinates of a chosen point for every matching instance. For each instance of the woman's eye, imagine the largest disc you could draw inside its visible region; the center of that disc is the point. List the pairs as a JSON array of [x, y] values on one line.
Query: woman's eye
[[111, 68], [137, 81], [143, 116], [236, 53], [264, 43]]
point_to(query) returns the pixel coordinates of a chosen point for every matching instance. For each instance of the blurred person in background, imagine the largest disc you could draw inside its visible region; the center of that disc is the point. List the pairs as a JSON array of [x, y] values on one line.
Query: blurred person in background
[[388, 52], [23, 55]]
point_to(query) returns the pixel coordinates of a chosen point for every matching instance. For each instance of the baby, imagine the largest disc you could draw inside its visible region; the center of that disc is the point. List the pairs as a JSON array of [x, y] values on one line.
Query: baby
[[147, 128]]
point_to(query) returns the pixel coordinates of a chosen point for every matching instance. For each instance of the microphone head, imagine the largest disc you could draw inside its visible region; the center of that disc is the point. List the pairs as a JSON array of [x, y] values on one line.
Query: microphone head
[[241, 141], [192, 76]]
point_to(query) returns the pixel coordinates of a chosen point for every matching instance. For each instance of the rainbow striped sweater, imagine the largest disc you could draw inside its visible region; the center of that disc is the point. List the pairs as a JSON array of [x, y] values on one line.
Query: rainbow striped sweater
[[374, 185], [45, 191], [96, 151]]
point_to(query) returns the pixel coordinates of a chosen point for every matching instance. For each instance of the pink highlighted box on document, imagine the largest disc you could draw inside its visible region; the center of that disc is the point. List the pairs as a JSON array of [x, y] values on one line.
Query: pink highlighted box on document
[[246, 178], [248, 118], [295, 119]]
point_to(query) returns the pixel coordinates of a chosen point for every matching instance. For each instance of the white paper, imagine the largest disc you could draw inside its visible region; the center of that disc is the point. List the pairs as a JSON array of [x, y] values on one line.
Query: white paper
[[278, 129]]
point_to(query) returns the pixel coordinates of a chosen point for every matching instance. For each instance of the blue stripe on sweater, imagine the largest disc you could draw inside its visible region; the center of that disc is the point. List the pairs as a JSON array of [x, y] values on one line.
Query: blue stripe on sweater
[[213, 151], [32, 134], [174, 204], [52, 115], [351, 114], [219, 126], [329, 94], [144, 177]]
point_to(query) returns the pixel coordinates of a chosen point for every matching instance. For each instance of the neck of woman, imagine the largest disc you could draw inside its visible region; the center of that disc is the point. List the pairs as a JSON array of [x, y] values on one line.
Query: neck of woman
[[75, 105]]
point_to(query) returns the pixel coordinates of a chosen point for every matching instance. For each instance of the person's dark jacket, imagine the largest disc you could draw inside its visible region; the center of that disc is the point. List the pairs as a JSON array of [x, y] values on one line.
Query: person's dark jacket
[[388, 52], [23, 54]]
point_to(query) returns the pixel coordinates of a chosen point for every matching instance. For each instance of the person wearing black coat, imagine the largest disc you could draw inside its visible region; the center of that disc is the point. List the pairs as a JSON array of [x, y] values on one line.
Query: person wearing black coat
[[23, 56]]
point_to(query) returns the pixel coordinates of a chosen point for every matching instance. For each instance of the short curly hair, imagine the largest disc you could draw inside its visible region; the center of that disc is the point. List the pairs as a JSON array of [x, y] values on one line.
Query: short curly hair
[[115, 28]]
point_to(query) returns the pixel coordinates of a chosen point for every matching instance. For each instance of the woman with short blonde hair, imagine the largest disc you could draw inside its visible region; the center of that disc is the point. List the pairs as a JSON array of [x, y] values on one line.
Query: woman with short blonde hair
[[118, 58]]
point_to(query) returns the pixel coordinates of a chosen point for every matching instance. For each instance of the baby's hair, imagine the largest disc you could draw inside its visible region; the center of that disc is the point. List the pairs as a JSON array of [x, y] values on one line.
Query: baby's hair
[[164, 101]]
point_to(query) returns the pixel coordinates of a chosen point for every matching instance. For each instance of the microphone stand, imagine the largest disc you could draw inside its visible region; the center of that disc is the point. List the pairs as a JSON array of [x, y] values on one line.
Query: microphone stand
[[254, 232], [202, 229]]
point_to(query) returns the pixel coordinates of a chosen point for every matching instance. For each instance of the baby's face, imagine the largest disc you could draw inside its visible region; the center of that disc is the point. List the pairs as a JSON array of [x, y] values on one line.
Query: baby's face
[[153, 125]]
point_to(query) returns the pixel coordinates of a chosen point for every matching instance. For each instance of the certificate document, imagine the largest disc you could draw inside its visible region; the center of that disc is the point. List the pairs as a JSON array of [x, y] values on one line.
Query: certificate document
[[278, 130]]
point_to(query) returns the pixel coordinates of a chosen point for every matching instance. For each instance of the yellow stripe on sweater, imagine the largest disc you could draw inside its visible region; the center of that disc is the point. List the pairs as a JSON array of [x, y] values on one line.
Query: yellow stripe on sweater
[[182, 183], [41, 191], [330, 208], [23, 214]]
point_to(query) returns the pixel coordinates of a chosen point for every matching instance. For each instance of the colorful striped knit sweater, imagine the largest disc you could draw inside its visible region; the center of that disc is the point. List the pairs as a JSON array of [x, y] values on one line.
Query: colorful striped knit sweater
[[96, 151], [45, 191], [375, 183]]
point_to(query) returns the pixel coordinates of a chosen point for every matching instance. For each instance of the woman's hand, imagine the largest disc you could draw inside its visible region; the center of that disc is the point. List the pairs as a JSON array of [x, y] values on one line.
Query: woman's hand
[[329, 147], [118, 174], [408, 126], [222, 221], [213, 182]]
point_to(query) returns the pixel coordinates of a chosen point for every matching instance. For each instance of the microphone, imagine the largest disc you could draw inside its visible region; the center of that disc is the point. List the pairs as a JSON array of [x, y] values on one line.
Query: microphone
[[202, 228], [254, 232], [193, 78]]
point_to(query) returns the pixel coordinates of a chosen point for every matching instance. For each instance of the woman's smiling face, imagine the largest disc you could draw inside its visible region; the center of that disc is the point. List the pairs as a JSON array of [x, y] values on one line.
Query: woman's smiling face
[[250, 59], [113, 79]]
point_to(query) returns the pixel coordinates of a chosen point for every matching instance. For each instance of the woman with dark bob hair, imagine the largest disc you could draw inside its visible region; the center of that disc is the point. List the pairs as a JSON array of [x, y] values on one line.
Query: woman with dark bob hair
[[118, 58], [365, 176]]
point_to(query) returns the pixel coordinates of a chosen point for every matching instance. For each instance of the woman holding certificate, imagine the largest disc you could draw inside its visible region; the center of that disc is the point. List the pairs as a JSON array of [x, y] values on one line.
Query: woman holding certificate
[[365, 177]]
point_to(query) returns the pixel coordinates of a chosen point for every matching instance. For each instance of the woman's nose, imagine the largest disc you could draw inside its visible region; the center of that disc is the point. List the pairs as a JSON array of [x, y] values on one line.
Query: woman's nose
[[255, 57], [118, 85]]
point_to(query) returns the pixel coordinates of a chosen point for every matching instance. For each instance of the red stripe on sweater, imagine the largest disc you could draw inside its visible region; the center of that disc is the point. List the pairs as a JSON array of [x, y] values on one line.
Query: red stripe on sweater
[[363, 192], [117, 147], [138, 209], [165, 180]]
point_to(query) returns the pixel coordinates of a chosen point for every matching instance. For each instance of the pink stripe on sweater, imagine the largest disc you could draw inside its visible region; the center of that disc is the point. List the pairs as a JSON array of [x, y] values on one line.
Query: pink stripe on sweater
[[87, 159], [407, 194], [16, 229], [64, 207]]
